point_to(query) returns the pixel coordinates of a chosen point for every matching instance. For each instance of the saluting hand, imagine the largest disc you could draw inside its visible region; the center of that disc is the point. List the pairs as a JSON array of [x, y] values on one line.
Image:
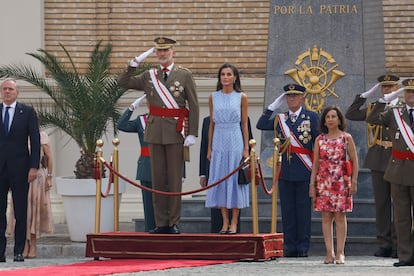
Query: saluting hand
[[137, 60], [371, 92], [137, 102]]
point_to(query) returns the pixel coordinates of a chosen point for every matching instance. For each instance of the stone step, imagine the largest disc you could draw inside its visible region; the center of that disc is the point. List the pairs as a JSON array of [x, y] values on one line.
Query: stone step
[[196, 208], [356, 226]]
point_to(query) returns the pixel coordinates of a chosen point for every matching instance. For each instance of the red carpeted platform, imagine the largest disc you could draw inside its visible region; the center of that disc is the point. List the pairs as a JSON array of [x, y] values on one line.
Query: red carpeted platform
[[184, 246]]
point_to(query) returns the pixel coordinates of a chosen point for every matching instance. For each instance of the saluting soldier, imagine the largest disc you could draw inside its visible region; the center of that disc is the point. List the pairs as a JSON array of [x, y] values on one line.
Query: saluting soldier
[[379, 152], [297, 129], [137, 125], [400, 167], [172, 124]]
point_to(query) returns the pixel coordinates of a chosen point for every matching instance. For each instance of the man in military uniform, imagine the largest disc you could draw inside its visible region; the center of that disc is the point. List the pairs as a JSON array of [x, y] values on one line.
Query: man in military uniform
[[172, 124], [137, 125], [379, 152], [400, 167], [297, 129]]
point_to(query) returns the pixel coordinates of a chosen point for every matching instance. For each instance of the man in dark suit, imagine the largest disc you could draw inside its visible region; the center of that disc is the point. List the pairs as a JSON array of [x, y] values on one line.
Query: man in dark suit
[[204, 166], [297, 129], [18, 163]]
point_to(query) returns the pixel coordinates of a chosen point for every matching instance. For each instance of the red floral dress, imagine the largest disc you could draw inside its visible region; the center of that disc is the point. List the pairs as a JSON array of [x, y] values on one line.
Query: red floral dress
[[332, 183]]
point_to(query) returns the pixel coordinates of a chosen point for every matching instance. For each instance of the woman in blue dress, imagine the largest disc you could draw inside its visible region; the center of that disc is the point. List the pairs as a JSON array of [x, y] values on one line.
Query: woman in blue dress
[[228, 144]]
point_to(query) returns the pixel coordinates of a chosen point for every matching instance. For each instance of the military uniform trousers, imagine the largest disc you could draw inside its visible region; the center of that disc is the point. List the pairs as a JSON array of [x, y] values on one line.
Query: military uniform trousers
[[167, 163], [386, 234], [296, 215], [149, 220], [403, 198]]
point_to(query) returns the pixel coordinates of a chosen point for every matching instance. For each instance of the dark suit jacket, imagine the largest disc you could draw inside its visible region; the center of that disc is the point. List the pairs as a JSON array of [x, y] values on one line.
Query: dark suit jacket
[[14, 150], [204, 165]]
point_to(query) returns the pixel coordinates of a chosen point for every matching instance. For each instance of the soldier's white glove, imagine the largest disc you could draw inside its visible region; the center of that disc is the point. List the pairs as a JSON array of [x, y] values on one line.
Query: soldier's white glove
[[189, 141], [371, 92], [277, 103], [137, 102], [393, 95], [137, 60]]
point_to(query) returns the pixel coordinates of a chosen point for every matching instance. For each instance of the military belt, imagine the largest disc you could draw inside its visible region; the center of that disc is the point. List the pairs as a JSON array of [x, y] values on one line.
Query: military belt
[[385, 144]]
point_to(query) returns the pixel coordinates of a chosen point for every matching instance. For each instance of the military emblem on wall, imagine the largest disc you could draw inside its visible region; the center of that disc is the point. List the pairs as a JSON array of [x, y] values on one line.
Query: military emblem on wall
[[316, 70]]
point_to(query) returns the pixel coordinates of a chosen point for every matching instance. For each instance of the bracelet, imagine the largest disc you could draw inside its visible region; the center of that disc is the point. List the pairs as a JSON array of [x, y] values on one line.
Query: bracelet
[[49, 174]]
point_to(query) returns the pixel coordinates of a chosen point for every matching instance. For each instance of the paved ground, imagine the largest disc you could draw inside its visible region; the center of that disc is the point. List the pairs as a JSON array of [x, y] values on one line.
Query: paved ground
[[354, 265], [58, 249]]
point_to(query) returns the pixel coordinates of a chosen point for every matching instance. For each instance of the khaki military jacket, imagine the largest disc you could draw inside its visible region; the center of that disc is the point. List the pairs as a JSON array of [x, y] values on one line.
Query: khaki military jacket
[[398, 171], [377, 156], [180, 83]]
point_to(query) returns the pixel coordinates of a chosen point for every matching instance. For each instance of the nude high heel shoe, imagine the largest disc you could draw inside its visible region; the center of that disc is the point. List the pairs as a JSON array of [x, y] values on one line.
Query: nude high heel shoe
[[340, 259]]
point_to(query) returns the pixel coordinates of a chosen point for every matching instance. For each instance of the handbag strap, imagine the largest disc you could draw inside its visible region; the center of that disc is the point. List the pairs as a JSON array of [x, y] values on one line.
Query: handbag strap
[[346, 146]]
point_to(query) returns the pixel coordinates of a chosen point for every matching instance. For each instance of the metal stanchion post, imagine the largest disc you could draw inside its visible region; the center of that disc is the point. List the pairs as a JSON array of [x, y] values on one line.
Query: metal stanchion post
[[255, 215], [99, 144], [276, 143], [115, 165]]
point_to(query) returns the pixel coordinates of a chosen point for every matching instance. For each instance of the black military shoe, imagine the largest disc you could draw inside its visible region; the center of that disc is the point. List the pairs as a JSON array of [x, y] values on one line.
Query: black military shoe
[[160, 230], [18, 258], [174, 229], [383, 252], [404, 263], [301, 254], [290, 254]]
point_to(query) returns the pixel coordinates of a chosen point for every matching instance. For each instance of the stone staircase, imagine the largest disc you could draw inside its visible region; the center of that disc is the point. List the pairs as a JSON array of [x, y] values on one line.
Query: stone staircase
[[195, 218]]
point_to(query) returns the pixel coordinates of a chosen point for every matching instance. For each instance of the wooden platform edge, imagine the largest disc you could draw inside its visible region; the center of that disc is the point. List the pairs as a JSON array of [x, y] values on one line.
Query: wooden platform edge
[[138, 245]]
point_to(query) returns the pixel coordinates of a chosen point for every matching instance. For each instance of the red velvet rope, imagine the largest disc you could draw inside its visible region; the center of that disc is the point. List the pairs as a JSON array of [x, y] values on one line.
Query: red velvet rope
[[261, 179], [172, 193], [112, 173], [97, 175]]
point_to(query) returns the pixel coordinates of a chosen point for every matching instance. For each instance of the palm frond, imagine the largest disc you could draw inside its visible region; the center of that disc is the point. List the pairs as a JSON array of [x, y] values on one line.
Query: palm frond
[[84, 106]]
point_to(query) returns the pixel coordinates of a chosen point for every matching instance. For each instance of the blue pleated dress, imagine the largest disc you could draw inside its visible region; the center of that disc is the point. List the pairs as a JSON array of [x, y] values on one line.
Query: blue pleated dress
[[227, 150]]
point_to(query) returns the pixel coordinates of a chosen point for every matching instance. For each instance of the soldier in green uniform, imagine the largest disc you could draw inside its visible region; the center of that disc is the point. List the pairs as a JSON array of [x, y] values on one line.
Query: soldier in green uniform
[[172, 124], [379, 152], [400, 167], [137, 125]]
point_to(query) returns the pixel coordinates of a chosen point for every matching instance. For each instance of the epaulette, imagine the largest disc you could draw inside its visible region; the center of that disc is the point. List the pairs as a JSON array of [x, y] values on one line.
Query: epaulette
[[399, 104], [183, 68]]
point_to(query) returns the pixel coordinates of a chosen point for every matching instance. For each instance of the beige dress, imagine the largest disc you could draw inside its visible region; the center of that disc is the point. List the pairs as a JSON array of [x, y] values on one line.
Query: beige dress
[[39, 209]]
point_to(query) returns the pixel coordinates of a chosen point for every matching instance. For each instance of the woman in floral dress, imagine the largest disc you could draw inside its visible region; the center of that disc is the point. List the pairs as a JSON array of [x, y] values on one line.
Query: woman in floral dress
[[331, 187]]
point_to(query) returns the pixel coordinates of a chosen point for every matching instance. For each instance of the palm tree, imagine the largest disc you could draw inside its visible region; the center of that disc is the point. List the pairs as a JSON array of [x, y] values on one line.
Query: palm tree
[[84, 105]]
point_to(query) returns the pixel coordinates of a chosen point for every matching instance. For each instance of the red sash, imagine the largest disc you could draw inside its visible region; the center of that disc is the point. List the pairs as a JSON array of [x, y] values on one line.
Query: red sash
[[402, 155], [301, 150], [181, 113], [145, 151]]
